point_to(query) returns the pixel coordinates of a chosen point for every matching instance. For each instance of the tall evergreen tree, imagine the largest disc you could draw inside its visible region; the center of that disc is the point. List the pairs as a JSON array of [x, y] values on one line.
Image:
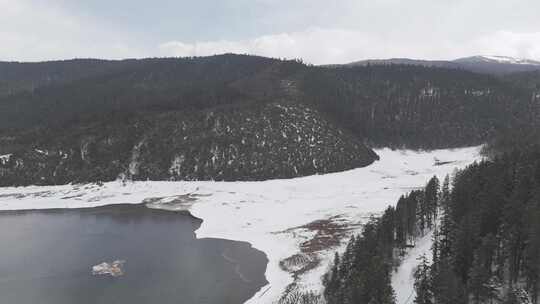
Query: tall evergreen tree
[[423, 282]]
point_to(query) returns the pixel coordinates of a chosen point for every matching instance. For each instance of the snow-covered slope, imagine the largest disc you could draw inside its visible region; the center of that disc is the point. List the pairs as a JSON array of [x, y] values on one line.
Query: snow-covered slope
[[490, 64], [402, 278], [497, 59], [299, 223], [498, 65]]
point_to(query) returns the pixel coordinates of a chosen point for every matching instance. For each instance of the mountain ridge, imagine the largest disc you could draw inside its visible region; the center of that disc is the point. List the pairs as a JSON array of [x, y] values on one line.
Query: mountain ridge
[[487, 64], [497, 58], [95, 122]]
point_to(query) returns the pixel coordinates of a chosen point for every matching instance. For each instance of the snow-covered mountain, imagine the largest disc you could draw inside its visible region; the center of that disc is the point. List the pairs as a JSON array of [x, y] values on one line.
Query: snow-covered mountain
[[497, 59], [487, 64], [498, 65]]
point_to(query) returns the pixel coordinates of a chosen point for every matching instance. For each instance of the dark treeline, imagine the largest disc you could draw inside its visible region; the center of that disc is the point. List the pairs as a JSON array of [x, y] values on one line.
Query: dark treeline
[[415, 213], [362, 273], [487, 248], [530, 79], [78, 91], [397, 105], [17, 77], [420, 107]]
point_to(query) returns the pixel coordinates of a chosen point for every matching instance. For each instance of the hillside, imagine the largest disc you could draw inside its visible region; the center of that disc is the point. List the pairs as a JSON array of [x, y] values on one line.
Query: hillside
[[17, 77], [98, 120], [255, 142], [529, 80], [417, 106], [139, 85]]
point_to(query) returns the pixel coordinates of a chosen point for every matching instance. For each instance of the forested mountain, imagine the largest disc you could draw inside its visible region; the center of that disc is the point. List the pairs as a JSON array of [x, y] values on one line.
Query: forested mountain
[[387, 105], [139, 85], [247, 142], [16, 77], [132, 109], [223, 117], [420, 107]]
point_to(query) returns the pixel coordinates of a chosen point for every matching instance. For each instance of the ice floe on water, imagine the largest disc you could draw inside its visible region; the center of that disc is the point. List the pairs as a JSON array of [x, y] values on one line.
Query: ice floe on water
[[299, 223], [114, 268]]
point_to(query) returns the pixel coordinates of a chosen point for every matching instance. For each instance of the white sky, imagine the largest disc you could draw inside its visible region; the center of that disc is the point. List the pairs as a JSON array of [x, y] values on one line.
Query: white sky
[[319, 32]]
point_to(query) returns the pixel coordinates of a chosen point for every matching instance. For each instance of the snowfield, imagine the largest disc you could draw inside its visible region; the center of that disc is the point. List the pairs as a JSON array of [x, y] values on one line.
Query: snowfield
[[510, 60], [299, 223]]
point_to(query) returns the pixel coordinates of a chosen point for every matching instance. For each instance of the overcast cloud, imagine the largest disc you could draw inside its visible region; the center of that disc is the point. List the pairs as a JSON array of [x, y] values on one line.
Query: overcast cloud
[[317, 31]]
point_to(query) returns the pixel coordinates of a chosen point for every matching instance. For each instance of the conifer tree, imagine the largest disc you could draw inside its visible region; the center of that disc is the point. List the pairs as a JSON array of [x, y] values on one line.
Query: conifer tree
[[423, 282]]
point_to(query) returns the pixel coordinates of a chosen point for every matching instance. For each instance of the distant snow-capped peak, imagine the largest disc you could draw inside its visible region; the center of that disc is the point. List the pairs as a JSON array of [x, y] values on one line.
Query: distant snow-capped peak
[[498, 59]]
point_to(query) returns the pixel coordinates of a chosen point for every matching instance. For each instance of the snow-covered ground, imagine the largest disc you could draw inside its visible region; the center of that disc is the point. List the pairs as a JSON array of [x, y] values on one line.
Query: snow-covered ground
[[402, 278], [510, 60], [299, 223]]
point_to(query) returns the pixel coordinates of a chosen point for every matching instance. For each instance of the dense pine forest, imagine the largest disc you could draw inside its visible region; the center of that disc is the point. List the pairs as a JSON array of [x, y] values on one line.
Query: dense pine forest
[[362, 273], [256, 142], [486, 244], [421, 107]]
